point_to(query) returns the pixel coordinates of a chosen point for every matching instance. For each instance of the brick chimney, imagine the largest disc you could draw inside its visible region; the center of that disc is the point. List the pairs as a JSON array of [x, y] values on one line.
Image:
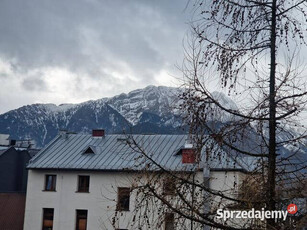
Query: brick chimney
[[188, 156], [98, 133]]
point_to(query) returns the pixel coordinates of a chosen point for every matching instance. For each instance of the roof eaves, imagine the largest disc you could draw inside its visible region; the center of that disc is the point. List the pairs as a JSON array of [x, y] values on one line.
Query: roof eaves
[[229, 170]]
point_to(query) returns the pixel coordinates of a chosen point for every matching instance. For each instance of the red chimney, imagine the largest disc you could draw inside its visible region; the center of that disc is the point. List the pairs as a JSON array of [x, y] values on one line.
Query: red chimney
[[188, 156], [98, 132]]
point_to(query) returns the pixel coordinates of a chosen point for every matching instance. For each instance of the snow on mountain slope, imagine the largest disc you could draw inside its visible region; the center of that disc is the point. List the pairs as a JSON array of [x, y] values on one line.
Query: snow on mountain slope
[[157, 100], [149, 107], [224, 100], [149, 110], [42, 122]]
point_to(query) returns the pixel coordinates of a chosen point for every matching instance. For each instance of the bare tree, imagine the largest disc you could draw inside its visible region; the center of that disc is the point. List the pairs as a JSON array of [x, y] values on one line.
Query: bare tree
[[180, 197], [237, 40], [251, 48]]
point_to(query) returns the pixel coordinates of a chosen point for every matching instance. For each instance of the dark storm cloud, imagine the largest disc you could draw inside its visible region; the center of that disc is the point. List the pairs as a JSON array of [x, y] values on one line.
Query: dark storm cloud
[[86, 49], [83, 34]]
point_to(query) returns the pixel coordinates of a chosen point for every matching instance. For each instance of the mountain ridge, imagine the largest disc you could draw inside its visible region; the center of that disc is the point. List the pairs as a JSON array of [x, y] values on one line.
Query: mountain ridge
[[139, 109], [152, 110]]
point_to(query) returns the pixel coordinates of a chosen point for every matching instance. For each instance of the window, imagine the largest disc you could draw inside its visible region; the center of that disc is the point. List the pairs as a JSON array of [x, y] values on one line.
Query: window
[[50, 182], [123, 199], [169, 221], [83, 183], [48, 218], [81, 219], [169, 186]]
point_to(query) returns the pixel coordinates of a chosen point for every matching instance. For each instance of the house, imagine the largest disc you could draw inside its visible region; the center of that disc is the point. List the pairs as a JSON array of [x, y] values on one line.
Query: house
[[87, 181], [13, 173], [14, 156]]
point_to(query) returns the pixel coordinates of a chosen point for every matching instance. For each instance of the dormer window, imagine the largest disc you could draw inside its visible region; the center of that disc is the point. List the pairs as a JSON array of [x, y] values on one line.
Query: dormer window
[[89, 150], [188, 156]]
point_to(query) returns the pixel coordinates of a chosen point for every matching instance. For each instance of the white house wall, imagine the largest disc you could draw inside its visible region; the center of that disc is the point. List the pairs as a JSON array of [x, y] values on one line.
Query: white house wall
[[227, 182], [100, 201]]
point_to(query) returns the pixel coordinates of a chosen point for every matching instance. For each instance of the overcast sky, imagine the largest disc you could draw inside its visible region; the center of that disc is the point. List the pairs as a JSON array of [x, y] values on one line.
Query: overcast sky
[[71, 51]]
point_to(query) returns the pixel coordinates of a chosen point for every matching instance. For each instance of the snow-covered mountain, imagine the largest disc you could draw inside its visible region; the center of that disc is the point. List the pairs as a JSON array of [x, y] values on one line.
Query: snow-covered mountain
[[160, 100], [148, 110]]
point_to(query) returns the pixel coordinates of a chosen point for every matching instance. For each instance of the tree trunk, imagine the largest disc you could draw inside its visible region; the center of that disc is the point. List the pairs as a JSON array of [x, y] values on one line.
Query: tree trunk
[[272, 122]]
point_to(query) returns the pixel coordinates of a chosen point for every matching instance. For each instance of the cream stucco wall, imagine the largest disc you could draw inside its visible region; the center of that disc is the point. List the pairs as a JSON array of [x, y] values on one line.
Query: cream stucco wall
[[100, 201]]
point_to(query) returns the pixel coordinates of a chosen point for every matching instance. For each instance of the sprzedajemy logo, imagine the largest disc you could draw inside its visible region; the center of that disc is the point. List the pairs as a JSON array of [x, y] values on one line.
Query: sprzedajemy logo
[[292, 208], [256, 214]]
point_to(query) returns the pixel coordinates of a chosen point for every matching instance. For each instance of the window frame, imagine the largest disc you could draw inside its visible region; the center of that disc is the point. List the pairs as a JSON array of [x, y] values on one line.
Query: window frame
[[121, 194], [78, 218], [86, 188], [44, 217], [169, 186], [53, 183]]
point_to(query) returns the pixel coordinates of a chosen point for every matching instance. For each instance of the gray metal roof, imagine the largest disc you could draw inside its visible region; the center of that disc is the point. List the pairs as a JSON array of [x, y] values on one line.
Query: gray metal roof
[[113, 152]]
